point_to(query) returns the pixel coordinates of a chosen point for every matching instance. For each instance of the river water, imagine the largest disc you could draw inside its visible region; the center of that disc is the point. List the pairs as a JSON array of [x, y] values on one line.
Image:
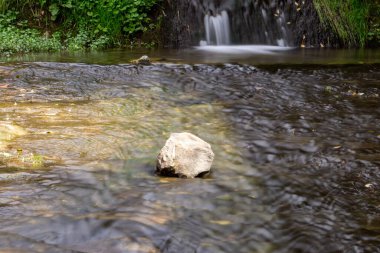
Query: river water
[[296, 137]]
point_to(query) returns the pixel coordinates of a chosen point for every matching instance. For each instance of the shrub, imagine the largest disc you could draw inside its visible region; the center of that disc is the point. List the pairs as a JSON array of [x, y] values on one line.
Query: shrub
[[374, 24], [94, 24], [16, 40]]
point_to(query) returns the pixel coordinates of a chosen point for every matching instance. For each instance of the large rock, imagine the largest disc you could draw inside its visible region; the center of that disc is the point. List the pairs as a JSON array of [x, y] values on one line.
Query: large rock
[[184, 155]]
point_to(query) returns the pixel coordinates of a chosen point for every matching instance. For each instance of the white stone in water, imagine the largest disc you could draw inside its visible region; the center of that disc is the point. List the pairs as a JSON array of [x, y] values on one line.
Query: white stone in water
[[185, 155], [144, 60]]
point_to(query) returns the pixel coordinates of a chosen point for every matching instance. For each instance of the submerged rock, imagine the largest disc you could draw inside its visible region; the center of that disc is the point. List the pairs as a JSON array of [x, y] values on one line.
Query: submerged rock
[[16, 176], [9, 131], [184, 155]]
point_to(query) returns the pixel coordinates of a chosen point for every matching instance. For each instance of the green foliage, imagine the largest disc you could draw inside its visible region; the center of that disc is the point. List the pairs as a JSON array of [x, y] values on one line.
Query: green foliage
[[374, 33], [16, 40], [349, 19], [8, 19], [92, 24], [84, 39], [374, 24], [3, 6], [113, 19], [13, 40]]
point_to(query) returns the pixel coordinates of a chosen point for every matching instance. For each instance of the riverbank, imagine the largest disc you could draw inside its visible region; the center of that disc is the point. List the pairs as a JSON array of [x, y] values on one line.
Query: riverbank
[[54, 26]]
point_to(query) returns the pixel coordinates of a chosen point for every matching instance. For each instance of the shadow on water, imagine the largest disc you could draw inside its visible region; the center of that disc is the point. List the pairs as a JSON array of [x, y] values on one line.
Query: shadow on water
[[296, 170]]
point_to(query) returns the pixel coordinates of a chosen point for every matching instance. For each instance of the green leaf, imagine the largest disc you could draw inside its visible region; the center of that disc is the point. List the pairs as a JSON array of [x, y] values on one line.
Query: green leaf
[[54, 10], [67, 5]]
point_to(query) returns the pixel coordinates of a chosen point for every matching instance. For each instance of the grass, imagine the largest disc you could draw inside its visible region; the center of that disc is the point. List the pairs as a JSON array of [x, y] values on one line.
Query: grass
[[348, 18]]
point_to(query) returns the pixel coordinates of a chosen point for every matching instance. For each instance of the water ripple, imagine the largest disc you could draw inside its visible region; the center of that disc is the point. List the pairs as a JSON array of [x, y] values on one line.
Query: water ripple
[[296, 167]]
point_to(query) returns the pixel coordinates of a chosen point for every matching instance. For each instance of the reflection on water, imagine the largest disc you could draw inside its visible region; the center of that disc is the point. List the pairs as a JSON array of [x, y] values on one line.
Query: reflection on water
[[244, 54], [296, 168]]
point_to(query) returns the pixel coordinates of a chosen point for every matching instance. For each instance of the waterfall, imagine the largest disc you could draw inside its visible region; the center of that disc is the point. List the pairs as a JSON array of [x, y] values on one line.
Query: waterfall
[[245, 22], [234, 22], [217, 29]]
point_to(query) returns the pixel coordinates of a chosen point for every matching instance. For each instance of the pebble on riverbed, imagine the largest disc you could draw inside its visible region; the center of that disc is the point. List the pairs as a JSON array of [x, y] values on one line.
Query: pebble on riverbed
[[184, 155]]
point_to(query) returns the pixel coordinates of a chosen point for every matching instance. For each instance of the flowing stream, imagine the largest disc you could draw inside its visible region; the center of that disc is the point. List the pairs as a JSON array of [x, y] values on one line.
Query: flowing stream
[[297, 152]]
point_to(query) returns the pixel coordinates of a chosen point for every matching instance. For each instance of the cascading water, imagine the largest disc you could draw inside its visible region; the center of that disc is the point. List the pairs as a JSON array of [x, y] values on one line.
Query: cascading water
[[264, 22], [217, 29], [231, 22]]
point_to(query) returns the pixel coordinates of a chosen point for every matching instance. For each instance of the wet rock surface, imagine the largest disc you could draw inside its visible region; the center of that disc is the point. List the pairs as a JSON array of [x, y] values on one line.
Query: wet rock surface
[[184, 155]]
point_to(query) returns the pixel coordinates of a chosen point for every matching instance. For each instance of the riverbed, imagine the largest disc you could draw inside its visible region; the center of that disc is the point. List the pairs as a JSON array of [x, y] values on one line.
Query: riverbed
[[296, 137]]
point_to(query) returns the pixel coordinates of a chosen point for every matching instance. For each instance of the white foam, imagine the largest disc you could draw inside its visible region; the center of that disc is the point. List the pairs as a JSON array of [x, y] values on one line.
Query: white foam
[[243, 49]]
